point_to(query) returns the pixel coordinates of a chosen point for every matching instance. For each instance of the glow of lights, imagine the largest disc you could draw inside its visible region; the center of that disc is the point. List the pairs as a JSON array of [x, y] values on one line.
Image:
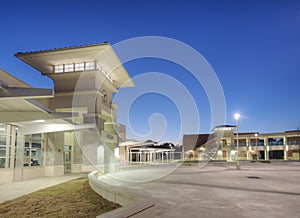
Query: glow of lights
[[38, 121], [237, 116]]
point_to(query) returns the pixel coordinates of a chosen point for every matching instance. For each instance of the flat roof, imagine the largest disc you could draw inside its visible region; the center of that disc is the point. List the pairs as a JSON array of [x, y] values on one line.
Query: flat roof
[[61, 49], [103, 53]]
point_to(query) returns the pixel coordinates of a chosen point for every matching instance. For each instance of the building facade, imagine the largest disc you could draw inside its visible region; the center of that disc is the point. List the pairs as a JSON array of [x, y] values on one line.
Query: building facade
[[72, 128], [149, 152], [221, 144]]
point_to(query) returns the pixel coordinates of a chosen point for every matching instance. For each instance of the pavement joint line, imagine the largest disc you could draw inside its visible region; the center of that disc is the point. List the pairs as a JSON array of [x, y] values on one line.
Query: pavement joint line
[[230, 187]]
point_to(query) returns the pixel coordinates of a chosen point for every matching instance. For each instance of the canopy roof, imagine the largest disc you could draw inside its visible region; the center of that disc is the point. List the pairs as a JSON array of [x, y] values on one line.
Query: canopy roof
[[18, 106]]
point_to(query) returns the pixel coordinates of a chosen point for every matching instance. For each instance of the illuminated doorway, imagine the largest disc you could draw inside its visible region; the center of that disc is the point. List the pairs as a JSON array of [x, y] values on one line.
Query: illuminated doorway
[[67, 158]]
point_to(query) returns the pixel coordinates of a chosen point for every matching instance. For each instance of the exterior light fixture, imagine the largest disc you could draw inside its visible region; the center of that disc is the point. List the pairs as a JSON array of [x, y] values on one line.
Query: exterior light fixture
[[38, 121], [237, 116], [256, 145]]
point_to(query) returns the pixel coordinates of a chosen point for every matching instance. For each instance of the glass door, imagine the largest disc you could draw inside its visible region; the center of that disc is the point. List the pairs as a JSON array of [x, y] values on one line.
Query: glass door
[[67, 158]]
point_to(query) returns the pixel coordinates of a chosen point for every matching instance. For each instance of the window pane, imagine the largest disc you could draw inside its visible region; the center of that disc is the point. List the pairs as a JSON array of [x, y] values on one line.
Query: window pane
[[2, 151], [5, 151], [79, 67], [26, 157], [36, 157], [69, 67], [2, 129], [2, 134], [2, 140], [4, 162], [27, 139], [36, 145], [90, 65], [58, 68], [275, 141]]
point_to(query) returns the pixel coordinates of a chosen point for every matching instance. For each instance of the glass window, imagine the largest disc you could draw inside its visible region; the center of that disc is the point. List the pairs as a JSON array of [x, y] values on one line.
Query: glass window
[[5, 149], [27, 151], [58, 68], [90, 65], [2, 151], [69, 67], [79, 66], [33, 154], [2, 139], [275, 141], [261, 142]]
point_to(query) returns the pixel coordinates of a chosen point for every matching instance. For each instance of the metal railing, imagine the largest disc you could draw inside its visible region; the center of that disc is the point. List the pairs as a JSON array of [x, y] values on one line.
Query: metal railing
[[293, 142]]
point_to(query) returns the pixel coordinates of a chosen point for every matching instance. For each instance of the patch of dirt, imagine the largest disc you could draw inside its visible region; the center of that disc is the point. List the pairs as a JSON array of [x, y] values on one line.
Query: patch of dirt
[[71, 199]]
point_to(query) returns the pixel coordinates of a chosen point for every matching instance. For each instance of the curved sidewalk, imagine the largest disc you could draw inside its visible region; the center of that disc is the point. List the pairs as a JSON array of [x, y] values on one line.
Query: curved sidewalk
[[14, 190]]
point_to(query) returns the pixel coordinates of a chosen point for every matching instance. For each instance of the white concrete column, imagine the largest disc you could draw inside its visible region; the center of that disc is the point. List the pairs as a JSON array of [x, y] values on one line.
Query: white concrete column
[[7, 145], [285, 148], [227, 155], [151, 156], [18, 172], [140, 156], [126, 150], [100, 156], [266, 150], [248, 146], [130, 156], [12, 145], [54, 154], [109, 158]]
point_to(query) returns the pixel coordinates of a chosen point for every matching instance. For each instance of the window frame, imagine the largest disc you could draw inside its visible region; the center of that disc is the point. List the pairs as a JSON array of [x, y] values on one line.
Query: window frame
[[29, 159], [5, 145]]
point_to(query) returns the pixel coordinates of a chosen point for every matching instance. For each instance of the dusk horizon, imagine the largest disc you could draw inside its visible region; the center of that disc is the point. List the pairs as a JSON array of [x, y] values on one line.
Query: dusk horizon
[[252, 47]]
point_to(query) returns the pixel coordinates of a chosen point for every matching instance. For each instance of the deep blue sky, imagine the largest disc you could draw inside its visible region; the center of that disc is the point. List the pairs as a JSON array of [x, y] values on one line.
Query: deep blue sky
[[253, 46]]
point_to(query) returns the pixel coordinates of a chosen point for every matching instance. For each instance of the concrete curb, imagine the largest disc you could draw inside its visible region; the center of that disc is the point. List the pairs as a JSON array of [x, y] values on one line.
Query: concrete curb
[[132, 206]]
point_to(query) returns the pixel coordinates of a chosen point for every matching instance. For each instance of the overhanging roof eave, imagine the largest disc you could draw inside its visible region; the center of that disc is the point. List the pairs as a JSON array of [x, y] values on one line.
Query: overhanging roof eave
[[17, 92]]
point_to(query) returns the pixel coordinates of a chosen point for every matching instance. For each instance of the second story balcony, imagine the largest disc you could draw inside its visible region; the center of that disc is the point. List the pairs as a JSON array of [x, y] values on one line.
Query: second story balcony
[[293, 142]]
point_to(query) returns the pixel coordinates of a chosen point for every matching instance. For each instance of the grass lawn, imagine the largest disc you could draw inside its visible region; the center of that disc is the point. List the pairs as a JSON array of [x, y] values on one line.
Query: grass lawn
[[71, 199]]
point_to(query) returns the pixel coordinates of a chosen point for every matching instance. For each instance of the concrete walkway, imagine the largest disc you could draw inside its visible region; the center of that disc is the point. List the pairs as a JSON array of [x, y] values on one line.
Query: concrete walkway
[[14, 190], [258, 190]]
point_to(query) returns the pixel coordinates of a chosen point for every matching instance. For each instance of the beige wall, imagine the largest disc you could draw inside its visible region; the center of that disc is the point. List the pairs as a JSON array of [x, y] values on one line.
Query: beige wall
[[33, 172], [189, 142], [6, 175]]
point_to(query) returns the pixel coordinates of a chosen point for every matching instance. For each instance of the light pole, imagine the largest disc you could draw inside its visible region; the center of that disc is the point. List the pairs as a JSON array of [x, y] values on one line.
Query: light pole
[[236, 117], [256, 146]]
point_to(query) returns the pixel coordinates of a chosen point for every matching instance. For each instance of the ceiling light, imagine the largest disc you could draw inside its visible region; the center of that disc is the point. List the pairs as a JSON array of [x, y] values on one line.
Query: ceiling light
[[38, 121]]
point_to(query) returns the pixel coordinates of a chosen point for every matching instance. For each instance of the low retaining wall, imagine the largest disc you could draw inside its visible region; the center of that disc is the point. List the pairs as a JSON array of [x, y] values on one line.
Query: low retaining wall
[[140, 209], [132, 206]]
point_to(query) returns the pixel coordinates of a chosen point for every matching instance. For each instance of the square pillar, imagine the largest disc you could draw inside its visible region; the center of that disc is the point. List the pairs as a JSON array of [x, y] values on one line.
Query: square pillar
[[8, 143], [18, 172], [266, 148], [285, 148], [12, 145]]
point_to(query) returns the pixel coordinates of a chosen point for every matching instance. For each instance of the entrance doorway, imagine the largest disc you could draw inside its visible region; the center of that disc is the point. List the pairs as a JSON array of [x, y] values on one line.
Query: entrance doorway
[[67, 158]]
